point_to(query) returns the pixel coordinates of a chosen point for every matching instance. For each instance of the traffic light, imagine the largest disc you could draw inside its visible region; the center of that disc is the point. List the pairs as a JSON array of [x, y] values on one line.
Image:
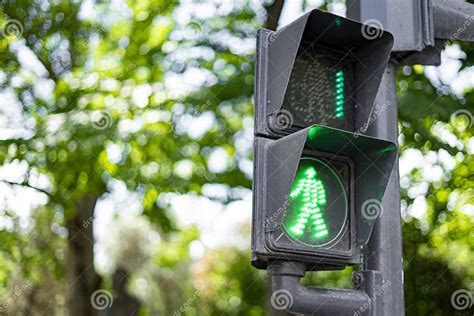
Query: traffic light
[[317, 180]]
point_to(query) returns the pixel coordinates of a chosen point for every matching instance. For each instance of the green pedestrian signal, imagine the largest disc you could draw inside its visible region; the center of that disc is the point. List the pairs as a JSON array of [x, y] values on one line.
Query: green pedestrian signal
[[312, 194], [317, 208]]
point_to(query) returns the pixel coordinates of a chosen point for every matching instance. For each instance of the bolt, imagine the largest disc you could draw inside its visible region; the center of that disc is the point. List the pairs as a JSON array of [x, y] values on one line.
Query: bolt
[[357, 280]]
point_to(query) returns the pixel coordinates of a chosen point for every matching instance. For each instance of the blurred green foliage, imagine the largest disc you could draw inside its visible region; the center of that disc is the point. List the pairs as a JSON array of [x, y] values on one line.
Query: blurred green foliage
[[104, 80]]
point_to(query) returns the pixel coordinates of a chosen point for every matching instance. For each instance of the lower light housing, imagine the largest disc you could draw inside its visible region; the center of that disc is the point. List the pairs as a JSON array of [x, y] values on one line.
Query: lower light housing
[[316, 216], [319, 160]]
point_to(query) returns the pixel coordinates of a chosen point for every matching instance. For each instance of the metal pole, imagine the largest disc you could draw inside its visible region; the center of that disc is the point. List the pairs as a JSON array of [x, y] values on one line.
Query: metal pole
[[383, 253], [384, 250]]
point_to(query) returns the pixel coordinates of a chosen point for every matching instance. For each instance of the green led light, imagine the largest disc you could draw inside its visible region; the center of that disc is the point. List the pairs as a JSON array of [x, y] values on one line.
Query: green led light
[[317, 207], [339, 94], [311, 191]]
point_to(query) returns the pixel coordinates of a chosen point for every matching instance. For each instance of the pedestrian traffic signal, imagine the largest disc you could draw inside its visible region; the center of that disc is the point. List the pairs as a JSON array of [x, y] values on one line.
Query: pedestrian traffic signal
[[314, 170]]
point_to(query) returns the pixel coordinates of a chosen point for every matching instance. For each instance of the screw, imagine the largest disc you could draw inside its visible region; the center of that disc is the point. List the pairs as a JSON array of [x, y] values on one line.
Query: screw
[[357, 280]]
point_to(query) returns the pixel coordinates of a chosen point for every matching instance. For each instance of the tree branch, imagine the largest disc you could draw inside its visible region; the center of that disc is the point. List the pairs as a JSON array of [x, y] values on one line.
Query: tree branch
[[24, 184], [273, 14]]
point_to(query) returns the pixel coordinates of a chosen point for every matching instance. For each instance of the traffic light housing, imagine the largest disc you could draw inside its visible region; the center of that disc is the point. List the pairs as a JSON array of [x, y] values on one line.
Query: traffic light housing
[[321, 69], [313, 169]]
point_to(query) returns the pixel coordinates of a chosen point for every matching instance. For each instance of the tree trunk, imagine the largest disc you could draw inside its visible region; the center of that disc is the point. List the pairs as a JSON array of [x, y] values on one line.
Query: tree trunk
[[82, 280], [124, 304], [273, 14]]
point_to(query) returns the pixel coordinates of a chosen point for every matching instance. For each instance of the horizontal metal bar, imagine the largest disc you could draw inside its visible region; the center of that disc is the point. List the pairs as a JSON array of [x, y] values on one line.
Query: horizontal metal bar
[[314, 300]]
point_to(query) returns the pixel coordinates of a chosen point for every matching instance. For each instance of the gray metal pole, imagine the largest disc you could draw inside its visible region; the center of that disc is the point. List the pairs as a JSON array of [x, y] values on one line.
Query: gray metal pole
[[417, 27], [384, 250]]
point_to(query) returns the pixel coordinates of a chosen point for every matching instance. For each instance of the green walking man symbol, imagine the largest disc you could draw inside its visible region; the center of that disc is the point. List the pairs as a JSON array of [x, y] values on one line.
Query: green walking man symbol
[[310, 192]]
